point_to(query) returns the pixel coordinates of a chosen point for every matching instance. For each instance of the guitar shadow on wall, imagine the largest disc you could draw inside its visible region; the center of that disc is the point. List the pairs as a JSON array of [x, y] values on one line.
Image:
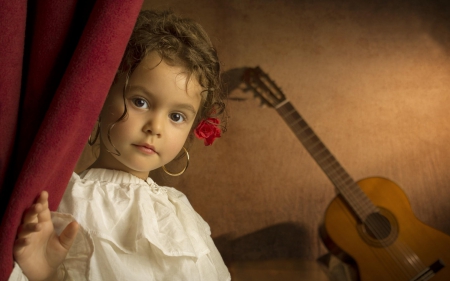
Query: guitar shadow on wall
[[231, 80], [288, 240], [237, 85], [234, 79], [280, 241]]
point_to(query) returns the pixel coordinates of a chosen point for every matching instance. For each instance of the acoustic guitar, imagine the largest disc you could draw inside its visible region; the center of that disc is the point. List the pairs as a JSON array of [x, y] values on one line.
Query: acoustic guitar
[[370, 222]]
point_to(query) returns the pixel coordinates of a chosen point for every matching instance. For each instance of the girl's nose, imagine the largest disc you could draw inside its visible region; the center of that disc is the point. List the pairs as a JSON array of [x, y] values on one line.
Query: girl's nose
[[154, 125]]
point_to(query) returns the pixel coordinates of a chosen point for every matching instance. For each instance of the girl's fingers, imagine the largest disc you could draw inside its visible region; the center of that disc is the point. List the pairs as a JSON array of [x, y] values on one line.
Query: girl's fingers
[[43, 199], [44, 214], [68, 235], [31, 214], [31, 223], [37, 212], [26, 229], [20, 243]]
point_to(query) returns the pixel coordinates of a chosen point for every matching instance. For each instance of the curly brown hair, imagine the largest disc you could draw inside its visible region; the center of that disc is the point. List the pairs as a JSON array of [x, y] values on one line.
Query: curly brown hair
[[181, 42]]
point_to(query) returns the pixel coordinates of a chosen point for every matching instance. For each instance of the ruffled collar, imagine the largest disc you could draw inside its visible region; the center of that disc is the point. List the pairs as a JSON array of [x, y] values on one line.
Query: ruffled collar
[[114, 176], [130, 213]]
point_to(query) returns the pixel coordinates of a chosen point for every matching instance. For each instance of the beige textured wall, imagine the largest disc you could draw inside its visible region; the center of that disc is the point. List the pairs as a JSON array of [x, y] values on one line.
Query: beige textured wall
[[371, 78]]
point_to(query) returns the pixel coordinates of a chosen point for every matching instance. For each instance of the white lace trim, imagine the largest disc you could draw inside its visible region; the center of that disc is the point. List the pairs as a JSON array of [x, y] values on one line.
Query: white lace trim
[[156, 189]]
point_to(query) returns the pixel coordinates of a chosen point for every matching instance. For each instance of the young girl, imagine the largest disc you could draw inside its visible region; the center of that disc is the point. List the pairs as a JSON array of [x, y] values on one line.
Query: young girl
[[115, 223]]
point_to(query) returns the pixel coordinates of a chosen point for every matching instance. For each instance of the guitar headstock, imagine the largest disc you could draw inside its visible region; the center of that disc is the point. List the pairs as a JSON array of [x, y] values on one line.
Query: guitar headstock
[[263, 87]]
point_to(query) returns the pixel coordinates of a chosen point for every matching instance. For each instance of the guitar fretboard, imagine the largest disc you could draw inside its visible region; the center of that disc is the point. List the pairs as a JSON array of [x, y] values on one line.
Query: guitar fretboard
[[348, 188]]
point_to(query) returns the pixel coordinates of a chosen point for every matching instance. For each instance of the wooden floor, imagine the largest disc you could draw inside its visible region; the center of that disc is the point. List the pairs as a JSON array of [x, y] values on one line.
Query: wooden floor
[[277, 270]]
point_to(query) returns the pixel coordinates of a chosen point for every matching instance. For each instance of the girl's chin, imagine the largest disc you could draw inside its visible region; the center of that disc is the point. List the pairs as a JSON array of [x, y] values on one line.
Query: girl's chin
[[139, 166]]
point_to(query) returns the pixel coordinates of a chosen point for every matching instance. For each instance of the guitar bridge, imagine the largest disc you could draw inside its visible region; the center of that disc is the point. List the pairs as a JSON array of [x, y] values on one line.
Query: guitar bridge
[[429, 272]]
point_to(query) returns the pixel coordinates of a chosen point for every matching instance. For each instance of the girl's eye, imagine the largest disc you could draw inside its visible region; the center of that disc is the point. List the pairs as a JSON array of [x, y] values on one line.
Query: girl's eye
[[177, 117], [141, 103]]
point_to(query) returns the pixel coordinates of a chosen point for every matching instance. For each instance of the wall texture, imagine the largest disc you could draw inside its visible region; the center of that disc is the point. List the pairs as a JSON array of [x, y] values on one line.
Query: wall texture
[[370, 77]]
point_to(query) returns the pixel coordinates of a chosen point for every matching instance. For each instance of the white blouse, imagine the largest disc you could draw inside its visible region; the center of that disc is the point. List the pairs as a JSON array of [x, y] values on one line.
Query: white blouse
[[131, 229]]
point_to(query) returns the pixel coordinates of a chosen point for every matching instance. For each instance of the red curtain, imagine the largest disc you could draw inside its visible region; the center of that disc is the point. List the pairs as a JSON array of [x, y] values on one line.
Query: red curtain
[[58, 60]]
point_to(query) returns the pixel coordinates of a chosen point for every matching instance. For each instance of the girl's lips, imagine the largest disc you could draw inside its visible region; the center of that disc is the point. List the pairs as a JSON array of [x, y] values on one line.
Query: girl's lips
[[147, 149]]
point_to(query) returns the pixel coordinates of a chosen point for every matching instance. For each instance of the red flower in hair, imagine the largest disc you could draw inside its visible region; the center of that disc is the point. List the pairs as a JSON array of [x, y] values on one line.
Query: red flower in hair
[[208, 130]]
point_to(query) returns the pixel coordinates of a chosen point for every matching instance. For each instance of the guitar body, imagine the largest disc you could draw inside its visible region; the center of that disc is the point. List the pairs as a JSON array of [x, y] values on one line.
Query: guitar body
[[397, 256]]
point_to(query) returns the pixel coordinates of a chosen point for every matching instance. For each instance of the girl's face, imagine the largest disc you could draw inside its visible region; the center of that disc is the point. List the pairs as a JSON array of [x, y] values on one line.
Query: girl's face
[[161, 110]]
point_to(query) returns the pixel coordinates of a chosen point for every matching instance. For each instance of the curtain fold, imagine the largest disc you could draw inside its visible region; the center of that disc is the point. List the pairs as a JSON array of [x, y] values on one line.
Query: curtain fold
[[57, 74]]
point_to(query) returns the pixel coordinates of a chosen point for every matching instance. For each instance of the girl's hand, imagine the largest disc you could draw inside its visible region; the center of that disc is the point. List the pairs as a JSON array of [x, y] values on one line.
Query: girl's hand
[[38, 249]]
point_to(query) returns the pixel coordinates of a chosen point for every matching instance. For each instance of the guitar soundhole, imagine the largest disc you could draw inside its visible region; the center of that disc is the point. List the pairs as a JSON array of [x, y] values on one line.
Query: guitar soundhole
[[377, 226], [379, 229]]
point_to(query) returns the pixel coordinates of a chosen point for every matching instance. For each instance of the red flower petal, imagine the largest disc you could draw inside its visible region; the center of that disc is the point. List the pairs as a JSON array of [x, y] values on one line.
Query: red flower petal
[[208, 130]]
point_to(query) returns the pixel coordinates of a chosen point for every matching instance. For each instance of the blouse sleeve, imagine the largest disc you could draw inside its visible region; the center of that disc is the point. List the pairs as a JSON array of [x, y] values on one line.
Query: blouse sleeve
[[17, 273], [76, 264]]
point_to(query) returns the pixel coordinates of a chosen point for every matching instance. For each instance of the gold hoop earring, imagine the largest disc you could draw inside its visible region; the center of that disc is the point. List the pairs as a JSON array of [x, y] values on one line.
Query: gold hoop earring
[[185, 168], [90, 141]]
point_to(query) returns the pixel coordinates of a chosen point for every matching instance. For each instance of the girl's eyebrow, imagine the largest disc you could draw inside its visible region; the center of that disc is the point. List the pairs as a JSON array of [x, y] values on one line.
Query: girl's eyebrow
[[185, 106], [188, 107], [140, 88]]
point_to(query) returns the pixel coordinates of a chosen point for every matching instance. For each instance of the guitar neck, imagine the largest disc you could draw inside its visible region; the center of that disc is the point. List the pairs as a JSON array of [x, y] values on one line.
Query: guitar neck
[[348, 188]]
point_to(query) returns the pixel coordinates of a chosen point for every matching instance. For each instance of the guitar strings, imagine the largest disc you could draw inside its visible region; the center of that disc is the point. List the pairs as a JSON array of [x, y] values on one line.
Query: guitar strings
[[378, 228], [403, 255], [341, 179], [412, 260], [338, 180]]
